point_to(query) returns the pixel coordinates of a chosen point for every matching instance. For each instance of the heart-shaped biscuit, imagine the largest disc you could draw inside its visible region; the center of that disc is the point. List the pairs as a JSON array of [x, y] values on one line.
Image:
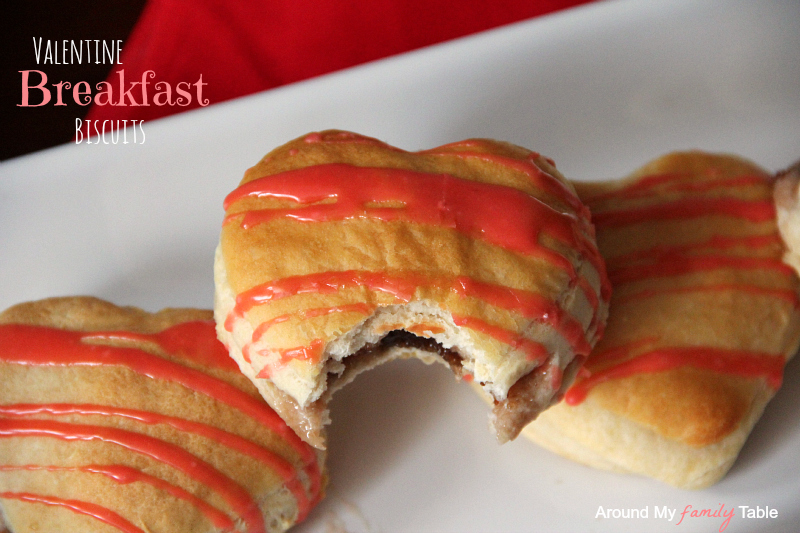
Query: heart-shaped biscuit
[[339, 252]]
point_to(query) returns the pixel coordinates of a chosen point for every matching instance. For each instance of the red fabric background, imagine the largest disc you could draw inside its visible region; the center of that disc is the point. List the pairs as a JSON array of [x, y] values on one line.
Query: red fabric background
[[242, 47]]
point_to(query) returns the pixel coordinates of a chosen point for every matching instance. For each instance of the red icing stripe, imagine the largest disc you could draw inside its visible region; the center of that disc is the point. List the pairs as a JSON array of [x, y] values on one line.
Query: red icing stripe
[[716, 242], [359, 307], [234, 494], [534, 350], [538, 177], [669, 266], [738, 362], [618, 353], [476, 209], [274, 462], [527, 303], [425, 330], [311, 352], [125, 475], [674, 183], [33, 345], [193, 341], [751, 210], [85, 508]]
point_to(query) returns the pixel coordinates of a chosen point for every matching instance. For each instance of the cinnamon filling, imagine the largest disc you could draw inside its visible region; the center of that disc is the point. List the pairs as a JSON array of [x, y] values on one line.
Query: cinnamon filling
[[529, 396], [404, 339], [310, 420], [370, 355]]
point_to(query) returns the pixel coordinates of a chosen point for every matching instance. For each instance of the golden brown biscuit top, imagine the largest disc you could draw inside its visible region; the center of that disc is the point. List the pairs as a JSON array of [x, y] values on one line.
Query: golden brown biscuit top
[[82, 370], [332, 225], [704, 312]]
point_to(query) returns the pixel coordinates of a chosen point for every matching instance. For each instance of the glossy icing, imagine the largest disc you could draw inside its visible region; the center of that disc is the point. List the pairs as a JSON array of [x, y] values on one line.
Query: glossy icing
[[691, 266], [185, 349], [337, 192]]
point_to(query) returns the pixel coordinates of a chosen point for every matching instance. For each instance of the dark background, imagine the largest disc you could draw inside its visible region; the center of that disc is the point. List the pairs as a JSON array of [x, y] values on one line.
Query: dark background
[[27, 129]]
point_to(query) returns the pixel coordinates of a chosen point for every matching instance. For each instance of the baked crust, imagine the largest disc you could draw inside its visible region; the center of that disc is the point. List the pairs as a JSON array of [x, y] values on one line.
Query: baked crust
[[787, 205], [112, 415], [335, 240], [703, 317]]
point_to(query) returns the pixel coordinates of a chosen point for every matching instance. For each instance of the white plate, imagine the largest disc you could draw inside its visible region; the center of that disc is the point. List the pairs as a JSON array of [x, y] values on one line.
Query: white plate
[[601, 89]]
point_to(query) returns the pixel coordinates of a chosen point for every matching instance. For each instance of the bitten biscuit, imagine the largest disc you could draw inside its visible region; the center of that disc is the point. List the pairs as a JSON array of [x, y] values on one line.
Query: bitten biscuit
[[339, 252], [115, 419], [704, 315]]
